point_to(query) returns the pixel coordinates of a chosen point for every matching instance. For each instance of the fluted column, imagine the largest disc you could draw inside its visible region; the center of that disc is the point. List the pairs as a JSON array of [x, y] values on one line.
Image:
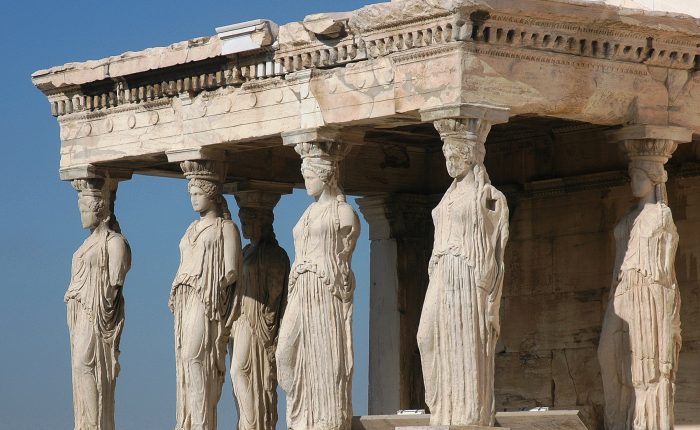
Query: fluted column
[[94, 298], [314, 353], [641, 335], [459, 323], [400, 231]]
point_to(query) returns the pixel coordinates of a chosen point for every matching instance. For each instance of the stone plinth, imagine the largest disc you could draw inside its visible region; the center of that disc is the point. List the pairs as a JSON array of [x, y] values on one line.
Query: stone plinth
[[521, 420], [541, 420], [449, 428]]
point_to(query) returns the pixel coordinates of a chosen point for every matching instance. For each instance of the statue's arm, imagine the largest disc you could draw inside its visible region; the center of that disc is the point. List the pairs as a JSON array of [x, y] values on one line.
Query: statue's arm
[[670, 244], [621, 244], [119, 260], [232, 252], [349, 228]]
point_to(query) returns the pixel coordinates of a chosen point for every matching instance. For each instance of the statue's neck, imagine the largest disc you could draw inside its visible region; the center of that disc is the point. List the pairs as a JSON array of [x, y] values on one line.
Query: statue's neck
[[327, 196], [647, 200], [209, 215]]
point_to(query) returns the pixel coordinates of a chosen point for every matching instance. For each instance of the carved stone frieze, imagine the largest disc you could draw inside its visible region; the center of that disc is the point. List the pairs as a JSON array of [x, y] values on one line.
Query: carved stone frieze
[[418, 28]]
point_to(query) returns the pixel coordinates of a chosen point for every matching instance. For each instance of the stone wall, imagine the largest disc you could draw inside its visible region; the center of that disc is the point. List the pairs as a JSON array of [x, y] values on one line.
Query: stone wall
[[558, 274]]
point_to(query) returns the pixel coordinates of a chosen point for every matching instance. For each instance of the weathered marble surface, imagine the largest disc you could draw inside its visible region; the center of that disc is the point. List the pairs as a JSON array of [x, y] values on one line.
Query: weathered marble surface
[[314, 352], [96, 306], [641, 335], [522, 420], [460, 321], [259, 301], [520, 55], [201, 298], [561, 59]]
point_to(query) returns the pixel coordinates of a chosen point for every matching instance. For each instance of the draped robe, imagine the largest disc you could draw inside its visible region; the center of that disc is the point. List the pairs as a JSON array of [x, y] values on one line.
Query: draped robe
[[95, 321], [459, 323], [260, 298], [201, 304], [641, 335], [314, 353]]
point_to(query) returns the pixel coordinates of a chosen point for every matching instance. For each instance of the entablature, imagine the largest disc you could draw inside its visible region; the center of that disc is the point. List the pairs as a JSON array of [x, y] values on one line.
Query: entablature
[[373, 69]]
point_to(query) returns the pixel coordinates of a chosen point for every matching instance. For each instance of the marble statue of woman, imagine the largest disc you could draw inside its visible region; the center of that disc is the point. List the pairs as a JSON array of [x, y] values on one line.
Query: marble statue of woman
[[459, 323], [260, 297], [641, 336], [202, 299], [314, 353], [96, 308]]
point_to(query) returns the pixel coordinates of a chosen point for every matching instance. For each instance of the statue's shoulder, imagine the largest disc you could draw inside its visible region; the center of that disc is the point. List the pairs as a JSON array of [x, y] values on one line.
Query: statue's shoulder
[[116, 242], [346, 213], [228, 224], [665, 216], [116, 238], [278, 253], [496, 194], [346, 208]]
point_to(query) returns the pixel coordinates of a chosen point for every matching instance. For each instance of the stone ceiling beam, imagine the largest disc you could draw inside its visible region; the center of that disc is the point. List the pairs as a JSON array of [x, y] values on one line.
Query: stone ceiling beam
[[90, 171]]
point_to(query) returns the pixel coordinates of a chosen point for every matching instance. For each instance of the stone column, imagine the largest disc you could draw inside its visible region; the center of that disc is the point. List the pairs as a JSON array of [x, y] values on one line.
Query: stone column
[[260, 298], [314, 353], [641, 335], [94, 298], [202, 294], [400, 231], [459, 323]]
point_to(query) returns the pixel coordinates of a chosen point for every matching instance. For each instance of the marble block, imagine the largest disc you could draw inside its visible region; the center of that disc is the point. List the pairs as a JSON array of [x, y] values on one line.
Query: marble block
[[449, 428], [520, 420], [541, 420]]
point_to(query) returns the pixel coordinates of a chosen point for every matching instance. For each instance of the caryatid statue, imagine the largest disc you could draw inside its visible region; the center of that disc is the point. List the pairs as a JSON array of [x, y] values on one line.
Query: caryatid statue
[[314, 352], [96, 306], [259, 300], [641, 334], [202, 298], [459, 324]]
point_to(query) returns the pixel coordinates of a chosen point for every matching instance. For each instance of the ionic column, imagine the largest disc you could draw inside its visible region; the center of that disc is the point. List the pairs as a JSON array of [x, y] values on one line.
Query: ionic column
[[400, 231], [94, 298], [314, 353], [201, 297], [459, 323], [641, 335], [260, 298]]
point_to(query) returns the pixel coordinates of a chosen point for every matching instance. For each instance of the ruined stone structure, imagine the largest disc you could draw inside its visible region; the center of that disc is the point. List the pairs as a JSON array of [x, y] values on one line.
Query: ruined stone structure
[[556, 97]]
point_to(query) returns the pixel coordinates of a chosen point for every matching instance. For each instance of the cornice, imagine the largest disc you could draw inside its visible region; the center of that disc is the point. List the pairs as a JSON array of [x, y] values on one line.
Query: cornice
[[598, 46]]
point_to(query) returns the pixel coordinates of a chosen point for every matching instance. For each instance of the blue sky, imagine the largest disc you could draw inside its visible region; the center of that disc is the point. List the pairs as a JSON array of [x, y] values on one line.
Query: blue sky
[[40, 226]]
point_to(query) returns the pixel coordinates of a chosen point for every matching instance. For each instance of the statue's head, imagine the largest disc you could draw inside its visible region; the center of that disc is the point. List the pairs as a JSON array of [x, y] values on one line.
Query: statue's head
[[91, 202], [256, 214], [647, 176], [462, 155], [204, 195], [319, 174], [204, 187], [646, 167], [256, 223], [319, 165]]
